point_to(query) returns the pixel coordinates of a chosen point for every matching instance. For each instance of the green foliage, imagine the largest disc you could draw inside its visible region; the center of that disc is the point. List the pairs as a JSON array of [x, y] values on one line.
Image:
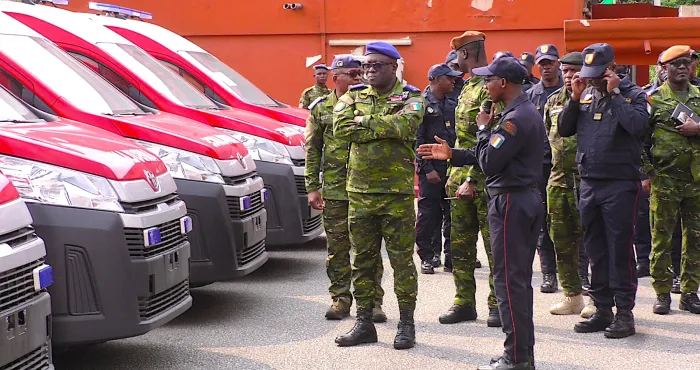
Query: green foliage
[[669, 3]]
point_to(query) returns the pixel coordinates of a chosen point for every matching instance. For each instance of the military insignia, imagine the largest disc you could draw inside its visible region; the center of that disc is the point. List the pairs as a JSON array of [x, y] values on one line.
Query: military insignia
[[339, 106], [340, 63], [395, 98], [544, 48], [510, 128], [497, 140], [539, 107], [405, 95], [415, 107], [430, 110], [597, 116], [589, 58], [363, 95], [448, 123], [523, 57]]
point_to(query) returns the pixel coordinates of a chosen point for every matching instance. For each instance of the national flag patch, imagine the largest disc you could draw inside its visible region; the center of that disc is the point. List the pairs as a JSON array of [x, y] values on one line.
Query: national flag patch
[[648, 104], [415, 107], [497, 140]]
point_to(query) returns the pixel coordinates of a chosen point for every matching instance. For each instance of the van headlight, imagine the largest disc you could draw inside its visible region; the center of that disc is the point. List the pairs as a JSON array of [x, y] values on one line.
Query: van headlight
[[45, 183], [185, 165], [262, 149]]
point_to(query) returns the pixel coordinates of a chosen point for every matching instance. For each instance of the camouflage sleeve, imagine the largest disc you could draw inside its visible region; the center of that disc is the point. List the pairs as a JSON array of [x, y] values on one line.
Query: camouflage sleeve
[[647, 161], [402, 125], [304, 101], [344, 125], [547, 119], [314, 151]]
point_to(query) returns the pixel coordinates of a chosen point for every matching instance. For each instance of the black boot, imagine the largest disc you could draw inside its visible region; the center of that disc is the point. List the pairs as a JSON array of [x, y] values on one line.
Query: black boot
[[622, 327], [436, 262], [600, 320], [363, 331], [458, 313], [406, 331], [690, 302], [494, 320], [662, 305], [426, 267], [502, 363], [643, 269], [549, 283]]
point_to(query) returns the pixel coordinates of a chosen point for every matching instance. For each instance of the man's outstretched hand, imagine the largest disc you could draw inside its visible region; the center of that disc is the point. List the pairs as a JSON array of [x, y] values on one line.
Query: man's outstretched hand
[[440, 151]]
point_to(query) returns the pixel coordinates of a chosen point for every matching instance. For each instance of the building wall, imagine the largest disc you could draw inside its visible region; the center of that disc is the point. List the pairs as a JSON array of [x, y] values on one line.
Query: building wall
[[269, 45]]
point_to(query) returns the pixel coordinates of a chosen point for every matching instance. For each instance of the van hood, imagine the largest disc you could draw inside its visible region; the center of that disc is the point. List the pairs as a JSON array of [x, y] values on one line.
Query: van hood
[[8, 193], [255, 124], [289, 114], [79, 147]]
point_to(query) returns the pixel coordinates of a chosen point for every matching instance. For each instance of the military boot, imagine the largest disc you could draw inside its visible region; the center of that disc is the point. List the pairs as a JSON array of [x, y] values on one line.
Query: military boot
[[600, 320], [458, 313], [406, 331], [690, 302], [338, 310], [378, 314], [568, 306], [363, 331], [503, 363], [622, 327], [549, 283], [494, 319], [662, 305], [589, 310]]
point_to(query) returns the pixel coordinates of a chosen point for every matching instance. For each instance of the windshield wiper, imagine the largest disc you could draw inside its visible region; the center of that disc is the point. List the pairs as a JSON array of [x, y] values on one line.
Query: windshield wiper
[[127, 114], [21, 120]]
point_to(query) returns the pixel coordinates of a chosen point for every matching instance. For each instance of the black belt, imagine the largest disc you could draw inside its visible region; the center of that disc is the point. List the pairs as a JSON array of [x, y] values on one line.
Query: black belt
[[514, 189]]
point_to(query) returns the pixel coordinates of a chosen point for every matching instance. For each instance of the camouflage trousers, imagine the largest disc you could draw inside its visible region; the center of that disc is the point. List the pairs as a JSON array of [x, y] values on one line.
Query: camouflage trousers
[[335, 222], [669, 198], [566, 231], [468, 217], [392, 217]]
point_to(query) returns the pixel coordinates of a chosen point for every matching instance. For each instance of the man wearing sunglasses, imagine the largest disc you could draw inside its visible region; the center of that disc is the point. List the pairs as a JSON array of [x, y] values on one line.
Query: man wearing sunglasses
[[674, 177], [381, 121], [318, 90], [510, 154], [329, 155], [608, 119]]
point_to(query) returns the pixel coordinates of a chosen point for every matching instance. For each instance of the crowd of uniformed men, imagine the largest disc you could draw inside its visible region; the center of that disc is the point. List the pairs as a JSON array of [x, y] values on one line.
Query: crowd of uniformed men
[[581, 166]]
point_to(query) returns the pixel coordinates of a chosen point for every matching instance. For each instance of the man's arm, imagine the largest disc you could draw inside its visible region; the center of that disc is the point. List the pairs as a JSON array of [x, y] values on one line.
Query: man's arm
[[647, 160], [344, 125], [568, 118], [463, 157], [425, 164], [304, 100], [633, 116], [401, 125], [314, 151], [496, 149]]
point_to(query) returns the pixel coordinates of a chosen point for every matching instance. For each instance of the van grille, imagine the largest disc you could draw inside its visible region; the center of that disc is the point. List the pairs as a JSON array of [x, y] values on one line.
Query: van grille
[[156, 304], [37, 359], [17, 285], [234, 206], [301, 184], [251, 253], [170, 234], [149, 205], [299, 162], [237, 180], [312, 224], [19, 237]]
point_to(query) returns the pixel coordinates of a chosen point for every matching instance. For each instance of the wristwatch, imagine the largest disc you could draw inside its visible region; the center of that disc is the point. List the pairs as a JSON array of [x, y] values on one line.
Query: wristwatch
[[471, 180], [616, 91], [482, 127]]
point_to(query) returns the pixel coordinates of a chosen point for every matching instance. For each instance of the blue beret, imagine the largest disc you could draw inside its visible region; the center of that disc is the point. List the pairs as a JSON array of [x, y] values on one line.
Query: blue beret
[[508, 68], [320, 66], [345, 62], [384, 48]]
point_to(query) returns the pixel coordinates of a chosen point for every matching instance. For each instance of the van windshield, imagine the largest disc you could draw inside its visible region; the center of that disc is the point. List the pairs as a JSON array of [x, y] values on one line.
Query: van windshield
[[66, 76], [12, 110], [157, 76], [229, 78]]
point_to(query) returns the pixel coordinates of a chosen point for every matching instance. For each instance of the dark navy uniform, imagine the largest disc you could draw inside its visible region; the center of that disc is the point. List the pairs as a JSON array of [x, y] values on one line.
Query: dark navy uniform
[[433, 208], [510, 155], [608, 128]]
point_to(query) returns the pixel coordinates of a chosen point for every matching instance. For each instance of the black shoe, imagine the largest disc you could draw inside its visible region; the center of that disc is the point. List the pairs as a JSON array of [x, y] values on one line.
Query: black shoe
[[676, 286], [585, 284], [600, 320], [477, 264], [426, 267], [504, 364], [436, 261], [363, 331], [494, 320], [458, 313], [406, 331], [622, 327], [690, 302], [643, 270], [662, 305], [549, 283]]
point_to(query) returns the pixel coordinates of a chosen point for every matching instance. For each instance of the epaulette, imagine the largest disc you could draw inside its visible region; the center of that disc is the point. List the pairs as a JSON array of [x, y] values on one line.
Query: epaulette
[[411, 88], [652, 91], [318, 100], [358, 86]]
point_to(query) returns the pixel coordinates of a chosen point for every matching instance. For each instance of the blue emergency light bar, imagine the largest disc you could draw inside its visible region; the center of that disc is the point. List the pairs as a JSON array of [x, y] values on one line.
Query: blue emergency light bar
[[119, 10]]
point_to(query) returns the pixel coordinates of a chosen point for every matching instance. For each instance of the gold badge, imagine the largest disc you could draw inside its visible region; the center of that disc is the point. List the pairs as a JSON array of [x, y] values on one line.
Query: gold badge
[[340, 63], [523, 57], [629, 100], [544, 48], [539, 107], [589, 58], [363, 95], [448, 124], [598, 116]]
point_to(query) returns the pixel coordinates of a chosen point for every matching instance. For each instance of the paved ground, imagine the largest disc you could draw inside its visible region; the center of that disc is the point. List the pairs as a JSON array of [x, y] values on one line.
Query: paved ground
[[273, 319]]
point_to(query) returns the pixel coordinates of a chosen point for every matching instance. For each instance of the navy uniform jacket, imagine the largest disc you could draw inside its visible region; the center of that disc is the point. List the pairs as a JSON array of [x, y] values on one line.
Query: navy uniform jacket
[[530, 82], [439, 119], [538, 96], [510, 154], [454, 95], [695, 81], [608, 131]]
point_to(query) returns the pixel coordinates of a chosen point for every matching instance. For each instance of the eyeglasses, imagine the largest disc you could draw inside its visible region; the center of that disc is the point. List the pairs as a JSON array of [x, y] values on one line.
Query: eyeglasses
[[681, 61], [351, 74], [376, 66]]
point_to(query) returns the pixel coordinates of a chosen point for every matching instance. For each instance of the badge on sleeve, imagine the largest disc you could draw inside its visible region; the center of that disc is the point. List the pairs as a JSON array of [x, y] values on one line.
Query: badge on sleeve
[[497, 140], [415, 107], [510, 128], [597, 116], [448, 123], [339, 106], [363, 95]]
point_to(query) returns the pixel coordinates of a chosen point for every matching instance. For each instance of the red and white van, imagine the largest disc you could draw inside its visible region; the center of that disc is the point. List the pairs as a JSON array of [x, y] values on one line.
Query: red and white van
[[108, 212], [214, 174], [277, 148], [25, 305]]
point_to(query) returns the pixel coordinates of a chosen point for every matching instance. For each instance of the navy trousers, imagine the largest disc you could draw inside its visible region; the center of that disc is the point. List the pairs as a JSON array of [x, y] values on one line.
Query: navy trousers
[[433, 216]]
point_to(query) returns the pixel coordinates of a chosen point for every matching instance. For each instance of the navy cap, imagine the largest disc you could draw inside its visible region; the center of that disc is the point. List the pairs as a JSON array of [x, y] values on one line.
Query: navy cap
[[451, 57], [320, 66], [527, 59], [596, 58], [546, 51], [506, 67], [384, 48], [502, 54], [442, 70], [345, 61]]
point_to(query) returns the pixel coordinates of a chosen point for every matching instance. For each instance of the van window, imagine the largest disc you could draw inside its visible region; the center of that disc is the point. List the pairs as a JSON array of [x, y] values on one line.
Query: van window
[[193, 81], [21, 91]]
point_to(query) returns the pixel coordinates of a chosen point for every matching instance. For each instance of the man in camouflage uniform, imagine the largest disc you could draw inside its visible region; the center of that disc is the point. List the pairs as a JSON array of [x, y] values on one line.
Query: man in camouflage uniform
[[316, 91], [562, 201], [674, 181], [326, 153], [469, 211], [381, 121]]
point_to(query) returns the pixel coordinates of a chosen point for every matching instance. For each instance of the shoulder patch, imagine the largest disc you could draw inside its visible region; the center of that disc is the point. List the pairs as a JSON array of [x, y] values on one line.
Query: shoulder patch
[[510, 128], [318, 100], [652, 91], [497, 140], [358, 86], [411, 88]]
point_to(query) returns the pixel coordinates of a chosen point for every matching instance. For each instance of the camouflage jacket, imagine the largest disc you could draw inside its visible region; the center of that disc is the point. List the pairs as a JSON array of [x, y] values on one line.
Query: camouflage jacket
[[672, 154], [324, 152], [311, 94], [382, 152], [564, 169]]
